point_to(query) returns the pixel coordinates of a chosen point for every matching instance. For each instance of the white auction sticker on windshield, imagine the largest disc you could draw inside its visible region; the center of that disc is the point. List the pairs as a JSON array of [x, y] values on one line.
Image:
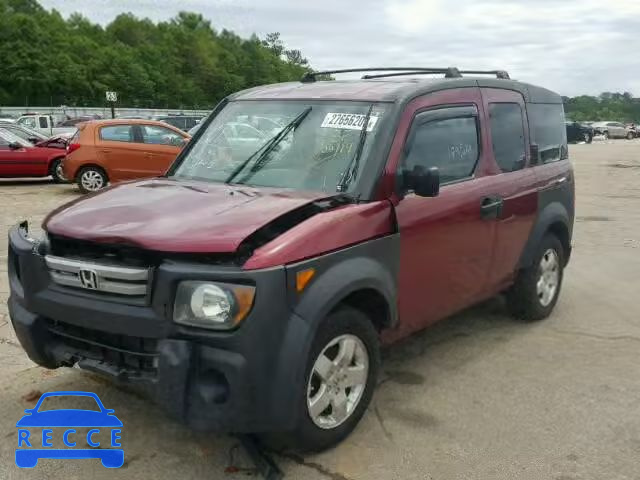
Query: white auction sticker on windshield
[[348, 121]]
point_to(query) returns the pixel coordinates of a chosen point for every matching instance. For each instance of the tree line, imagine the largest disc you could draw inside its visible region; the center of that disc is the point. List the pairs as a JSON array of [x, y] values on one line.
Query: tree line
[[621, 107], [46, 59], [181, 63]]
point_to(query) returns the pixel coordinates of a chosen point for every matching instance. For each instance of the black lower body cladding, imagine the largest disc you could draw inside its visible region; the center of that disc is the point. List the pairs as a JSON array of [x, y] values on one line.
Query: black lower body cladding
[[241, 381]]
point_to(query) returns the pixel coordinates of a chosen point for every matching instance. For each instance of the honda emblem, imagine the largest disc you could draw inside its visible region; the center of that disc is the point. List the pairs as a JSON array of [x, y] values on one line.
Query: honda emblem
[[88, 279]]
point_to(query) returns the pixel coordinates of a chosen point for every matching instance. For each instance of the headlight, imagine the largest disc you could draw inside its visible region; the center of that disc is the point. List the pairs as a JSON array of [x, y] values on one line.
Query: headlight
[[220, 306]]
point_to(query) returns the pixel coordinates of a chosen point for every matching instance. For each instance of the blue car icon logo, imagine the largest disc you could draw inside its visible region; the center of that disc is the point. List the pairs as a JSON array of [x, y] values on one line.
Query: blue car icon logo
[[32, 446]]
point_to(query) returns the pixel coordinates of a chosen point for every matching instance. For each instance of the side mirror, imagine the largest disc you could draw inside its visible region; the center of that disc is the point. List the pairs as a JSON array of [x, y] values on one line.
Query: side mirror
[[423, 182], [15, 146], [34, 140]]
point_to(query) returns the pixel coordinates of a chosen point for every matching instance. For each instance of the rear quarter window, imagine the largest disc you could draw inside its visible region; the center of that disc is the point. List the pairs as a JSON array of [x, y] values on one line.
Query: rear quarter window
[[548, 131], [117, 133]]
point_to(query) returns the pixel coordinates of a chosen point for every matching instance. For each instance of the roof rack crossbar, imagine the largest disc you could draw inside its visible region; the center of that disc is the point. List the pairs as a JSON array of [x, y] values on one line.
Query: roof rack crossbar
[[450, 72], [501, 74], [311, 76]]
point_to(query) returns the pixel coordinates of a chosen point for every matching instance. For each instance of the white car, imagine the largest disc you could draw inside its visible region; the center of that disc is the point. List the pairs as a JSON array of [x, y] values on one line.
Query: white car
[[44, 124], [613, 130]]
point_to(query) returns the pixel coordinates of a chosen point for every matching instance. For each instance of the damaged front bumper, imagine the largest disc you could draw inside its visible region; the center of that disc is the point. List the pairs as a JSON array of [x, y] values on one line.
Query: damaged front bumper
[[240, 381]]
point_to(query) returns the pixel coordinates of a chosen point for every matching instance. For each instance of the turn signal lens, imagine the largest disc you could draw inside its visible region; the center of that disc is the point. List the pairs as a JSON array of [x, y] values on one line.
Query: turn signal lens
[[244, 301], [303, 277]]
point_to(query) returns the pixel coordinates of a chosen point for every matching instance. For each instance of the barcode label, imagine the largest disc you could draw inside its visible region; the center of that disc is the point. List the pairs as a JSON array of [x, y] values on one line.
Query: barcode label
[[348, 121]]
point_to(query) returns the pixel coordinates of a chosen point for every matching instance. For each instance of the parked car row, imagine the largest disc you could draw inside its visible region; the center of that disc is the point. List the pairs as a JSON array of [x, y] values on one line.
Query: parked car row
[[614, 130], [584, 132], [100, 152]]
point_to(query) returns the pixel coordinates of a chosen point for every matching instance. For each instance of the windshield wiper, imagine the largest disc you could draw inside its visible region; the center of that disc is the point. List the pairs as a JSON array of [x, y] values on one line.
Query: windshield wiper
[[268, 147], [352, 169]]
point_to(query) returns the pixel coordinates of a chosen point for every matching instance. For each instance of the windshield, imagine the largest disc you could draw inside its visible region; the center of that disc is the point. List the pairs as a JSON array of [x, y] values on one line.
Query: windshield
[[9, 137], [244, 144], [26, 133]]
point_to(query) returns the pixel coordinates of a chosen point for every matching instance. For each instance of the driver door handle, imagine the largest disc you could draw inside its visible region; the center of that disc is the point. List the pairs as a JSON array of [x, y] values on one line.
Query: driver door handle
[[491, 207]]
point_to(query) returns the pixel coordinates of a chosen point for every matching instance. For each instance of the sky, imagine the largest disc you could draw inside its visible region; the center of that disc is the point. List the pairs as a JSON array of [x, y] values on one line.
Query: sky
[[574, 47]]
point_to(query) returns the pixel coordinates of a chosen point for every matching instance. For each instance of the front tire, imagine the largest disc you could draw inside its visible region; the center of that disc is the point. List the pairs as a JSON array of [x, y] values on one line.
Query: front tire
[[340, 377], [536, 289], [91, 179], [606, 135], [630, 136]]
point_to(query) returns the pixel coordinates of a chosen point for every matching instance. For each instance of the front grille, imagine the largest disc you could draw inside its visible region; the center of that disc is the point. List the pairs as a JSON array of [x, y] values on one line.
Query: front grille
[[99, 277], [123, 255], [125, 353]]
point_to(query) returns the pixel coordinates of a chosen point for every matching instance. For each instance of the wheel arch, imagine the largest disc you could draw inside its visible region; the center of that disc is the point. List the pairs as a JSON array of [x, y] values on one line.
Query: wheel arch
[[92, 164], [52, 160], [364, 283], [555, 219]]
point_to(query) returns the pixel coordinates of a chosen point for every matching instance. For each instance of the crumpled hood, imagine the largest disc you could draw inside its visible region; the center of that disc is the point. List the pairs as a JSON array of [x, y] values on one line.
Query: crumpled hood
[[174, 216]]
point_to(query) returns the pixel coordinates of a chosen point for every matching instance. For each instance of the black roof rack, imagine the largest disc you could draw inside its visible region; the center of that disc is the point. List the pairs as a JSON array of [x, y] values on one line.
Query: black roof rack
[[450, 72]]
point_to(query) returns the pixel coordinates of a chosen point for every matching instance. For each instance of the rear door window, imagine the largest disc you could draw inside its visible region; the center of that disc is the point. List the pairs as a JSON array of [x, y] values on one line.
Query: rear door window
[[507, 136], [43, 122], [117, 133], [157, 135], [451, 144]]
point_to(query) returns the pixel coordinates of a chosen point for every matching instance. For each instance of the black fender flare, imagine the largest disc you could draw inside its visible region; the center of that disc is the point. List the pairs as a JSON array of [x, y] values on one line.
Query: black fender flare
[[552, 214], [341, 280], [370, 265]]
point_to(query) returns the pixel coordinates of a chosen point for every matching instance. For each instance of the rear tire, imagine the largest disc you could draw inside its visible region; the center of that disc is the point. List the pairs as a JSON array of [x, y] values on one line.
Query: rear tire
[[606, 135], [536, 289], [319, 428], [588, 138], [91, 179], [55, 170]]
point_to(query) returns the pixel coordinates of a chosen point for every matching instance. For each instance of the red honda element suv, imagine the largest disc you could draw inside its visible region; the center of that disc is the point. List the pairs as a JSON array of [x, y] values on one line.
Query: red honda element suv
[[250, 288]]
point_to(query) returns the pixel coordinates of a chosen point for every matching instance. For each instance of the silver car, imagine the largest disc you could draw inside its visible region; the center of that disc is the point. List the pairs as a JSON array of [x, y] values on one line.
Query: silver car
[[613, 130]]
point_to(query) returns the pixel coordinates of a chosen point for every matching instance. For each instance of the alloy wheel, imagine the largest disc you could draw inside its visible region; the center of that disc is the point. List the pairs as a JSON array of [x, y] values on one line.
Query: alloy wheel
[[92, 180], [547, 285], [337, 381]]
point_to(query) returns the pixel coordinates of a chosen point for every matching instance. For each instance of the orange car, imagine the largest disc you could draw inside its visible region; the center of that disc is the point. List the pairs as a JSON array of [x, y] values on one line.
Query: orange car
[[109, 151]]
